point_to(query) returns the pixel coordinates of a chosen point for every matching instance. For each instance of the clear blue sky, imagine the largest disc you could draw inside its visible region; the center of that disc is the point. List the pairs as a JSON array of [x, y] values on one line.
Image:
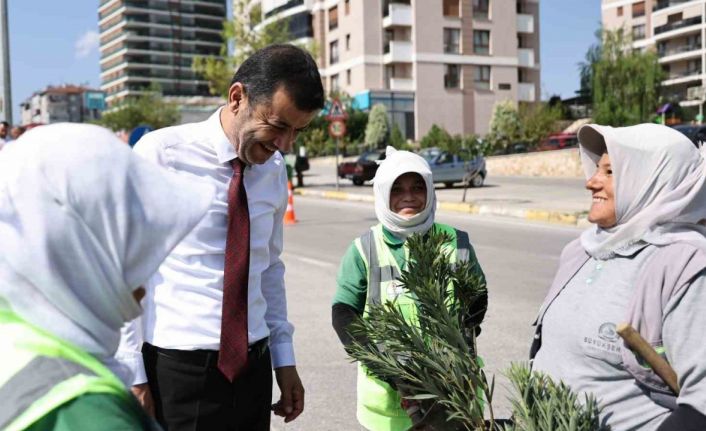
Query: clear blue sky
[[54, 42]]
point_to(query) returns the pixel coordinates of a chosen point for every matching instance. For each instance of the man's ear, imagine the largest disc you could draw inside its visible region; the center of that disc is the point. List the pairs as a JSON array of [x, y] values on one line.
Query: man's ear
[[236, 97]]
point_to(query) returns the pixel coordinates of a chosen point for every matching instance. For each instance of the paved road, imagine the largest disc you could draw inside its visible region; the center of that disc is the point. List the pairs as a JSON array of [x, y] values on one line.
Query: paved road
[[547, 194], [519, 260]]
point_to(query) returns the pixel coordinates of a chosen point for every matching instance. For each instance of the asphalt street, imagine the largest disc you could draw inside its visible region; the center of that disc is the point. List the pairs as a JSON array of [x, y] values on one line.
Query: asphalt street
[[519, 260]]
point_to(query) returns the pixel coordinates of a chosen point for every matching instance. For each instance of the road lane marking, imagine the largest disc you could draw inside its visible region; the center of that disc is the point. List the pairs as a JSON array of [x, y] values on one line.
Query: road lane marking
[[309, 260]]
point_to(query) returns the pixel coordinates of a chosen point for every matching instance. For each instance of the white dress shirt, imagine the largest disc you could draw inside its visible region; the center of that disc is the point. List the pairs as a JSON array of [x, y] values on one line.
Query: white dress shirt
[[183, 301]]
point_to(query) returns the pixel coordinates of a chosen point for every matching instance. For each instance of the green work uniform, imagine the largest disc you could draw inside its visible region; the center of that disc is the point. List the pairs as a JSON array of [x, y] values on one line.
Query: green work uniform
[[369, 271], [49, 384]]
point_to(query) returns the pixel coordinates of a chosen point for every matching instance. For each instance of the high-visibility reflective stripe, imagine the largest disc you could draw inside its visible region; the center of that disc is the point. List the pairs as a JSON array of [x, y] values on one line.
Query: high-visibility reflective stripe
[[34, 381]]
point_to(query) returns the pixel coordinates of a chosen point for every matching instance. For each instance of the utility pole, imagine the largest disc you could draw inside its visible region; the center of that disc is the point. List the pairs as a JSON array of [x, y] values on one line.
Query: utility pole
[[5, 84]]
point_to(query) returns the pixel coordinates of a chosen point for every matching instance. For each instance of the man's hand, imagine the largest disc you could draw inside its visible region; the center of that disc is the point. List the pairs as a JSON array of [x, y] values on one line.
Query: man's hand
[[291, 402], [144, 396]]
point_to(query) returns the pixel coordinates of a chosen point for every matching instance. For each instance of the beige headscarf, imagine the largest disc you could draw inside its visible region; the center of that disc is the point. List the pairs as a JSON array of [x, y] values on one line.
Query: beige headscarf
[[83, 223], [659, 181]]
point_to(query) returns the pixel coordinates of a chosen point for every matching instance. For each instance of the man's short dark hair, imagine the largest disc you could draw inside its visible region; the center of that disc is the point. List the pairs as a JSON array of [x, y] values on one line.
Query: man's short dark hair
[[4, 123], [282, 64]]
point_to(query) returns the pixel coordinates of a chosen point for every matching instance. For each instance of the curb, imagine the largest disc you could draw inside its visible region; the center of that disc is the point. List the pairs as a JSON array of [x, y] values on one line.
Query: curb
[[555, 217]]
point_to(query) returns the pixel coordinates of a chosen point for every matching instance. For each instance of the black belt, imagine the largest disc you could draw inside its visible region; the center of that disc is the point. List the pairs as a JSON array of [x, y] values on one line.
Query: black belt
[[206, 357]]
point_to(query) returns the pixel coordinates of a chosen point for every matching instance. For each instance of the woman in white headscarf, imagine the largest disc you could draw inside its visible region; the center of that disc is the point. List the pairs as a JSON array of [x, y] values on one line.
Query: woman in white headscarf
[[83, 223], [644, 263], [405, 204]]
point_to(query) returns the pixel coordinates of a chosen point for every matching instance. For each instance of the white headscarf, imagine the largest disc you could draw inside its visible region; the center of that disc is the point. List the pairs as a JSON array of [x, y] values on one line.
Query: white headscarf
[[83, 223], [397, 163], [659, 182]]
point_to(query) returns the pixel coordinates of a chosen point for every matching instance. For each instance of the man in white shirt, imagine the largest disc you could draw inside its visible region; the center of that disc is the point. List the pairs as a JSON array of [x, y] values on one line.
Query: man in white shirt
[[215, 314]]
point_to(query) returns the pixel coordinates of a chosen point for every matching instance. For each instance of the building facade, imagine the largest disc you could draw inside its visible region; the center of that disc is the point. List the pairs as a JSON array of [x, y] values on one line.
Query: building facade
[[676, 30], [67, 103], [148, 42], [444, 62]]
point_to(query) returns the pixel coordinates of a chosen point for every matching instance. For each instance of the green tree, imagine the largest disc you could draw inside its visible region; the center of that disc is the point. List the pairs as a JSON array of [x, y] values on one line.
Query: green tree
[[356, 124], [377, 131], [538, 121], [397, 139], [435, 137], [593, 55], [625, 82], [245, 33], [150, 109], [505, 126]]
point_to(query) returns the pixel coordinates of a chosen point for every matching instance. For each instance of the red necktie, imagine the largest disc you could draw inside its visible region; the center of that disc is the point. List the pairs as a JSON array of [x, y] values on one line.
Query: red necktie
[[233, 355]]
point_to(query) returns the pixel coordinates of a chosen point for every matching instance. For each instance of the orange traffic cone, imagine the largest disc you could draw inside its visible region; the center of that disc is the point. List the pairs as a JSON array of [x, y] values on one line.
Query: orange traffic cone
[[289, 217]]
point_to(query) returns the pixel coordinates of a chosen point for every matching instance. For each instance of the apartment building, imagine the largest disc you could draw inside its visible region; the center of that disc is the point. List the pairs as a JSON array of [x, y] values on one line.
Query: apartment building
[[60, 104], [676, 30], [444, 62], [147, 42]]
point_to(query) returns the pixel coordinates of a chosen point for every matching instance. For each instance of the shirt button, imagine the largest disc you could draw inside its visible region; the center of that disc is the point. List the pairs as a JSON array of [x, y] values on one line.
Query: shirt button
[[589, 280], [599, 266]]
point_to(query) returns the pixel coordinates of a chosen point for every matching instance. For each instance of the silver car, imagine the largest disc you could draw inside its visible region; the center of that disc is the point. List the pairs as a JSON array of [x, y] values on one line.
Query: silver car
[[450, 168]]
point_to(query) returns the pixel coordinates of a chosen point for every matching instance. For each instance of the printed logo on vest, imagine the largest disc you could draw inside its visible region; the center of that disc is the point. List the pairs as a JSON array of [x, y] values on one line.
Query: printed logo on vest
[[607, 332], [394, 289]]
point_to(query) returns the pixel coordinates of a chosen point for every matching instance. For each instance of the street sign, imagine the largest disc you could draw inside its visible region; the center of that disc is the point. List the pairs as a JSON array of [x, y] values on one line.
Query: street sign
[[336, 111], [137, 133], [337, 129]]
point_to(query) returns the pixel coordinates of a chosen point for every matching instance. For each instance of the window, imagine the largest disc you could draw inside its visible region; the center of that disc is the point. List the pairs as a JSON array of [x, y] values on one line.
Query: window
[[347, 6], [333, 52], [504, 86], [676, 17], [638, 9], [348, 77], [619, 11], [693, 67], [348, 42], [481, 8], [638, 32], [451, 8], [481, 77], [334, 82], [481, 42], [452, 77], [333, 18], [452, 37]]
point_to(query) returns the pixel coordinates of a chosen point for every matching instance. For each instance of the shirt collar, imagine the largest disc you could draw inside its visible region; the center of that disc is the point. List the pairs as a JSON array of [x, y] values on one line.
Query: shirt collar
[[224, 148], [390, 238]]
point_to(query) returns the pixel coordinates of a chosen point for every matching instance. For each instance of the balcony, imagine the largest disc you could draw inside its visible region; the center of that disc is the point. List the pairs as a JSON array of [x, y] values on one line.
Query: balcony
[[661, 4], [398, 15], [525, 57], [677, 25], [525, 23], [683, 76], [404, 84], [398, 51], [525, 92], [679, 53]]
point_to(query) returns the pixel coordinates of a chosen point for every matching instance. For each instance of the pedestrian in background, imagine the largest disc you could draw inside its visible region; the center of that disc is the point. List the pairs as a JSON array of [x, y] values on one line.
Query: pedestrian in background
[[643, 262], [215, 321], [83, 224], [4, 130], [405, 204], [17, 131]]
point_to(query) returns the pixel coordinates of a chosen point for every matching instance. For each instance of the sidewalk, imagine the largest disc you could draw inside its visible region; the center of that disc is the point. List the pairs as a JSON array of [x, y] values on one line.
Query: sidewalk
[[550, 200]]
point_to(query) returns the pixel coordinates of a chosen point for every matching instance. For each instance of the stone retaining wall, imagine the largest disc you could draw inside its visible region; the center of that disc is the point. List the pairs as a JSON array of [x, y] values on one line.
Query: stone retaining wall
[[557, 163]]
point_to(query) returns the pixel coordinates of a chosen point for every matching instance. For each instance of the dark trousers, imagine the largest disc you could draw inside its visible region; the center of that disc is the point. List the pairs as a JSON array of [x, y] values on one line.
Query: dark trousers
[[191, 394]]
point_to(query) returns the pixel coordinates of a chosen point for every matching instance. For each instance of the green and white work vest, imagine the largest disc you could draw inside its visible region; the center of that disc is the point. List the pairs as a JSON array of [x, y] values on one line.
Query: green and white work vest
[[378, 406], [40, 373]]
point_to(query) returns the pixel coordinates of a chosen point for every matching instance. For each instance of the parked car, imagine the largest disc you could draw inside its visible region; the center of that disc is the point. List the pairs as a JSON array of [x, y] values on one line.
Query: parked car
[[450, 168], [558, 141], [363, 169], [696, 133]]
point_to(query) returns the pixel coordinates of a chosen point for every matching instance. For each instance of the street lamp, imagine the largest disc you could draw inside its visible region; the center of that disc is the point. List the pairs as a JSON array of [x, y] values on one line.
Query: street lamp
[[5, 83]]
